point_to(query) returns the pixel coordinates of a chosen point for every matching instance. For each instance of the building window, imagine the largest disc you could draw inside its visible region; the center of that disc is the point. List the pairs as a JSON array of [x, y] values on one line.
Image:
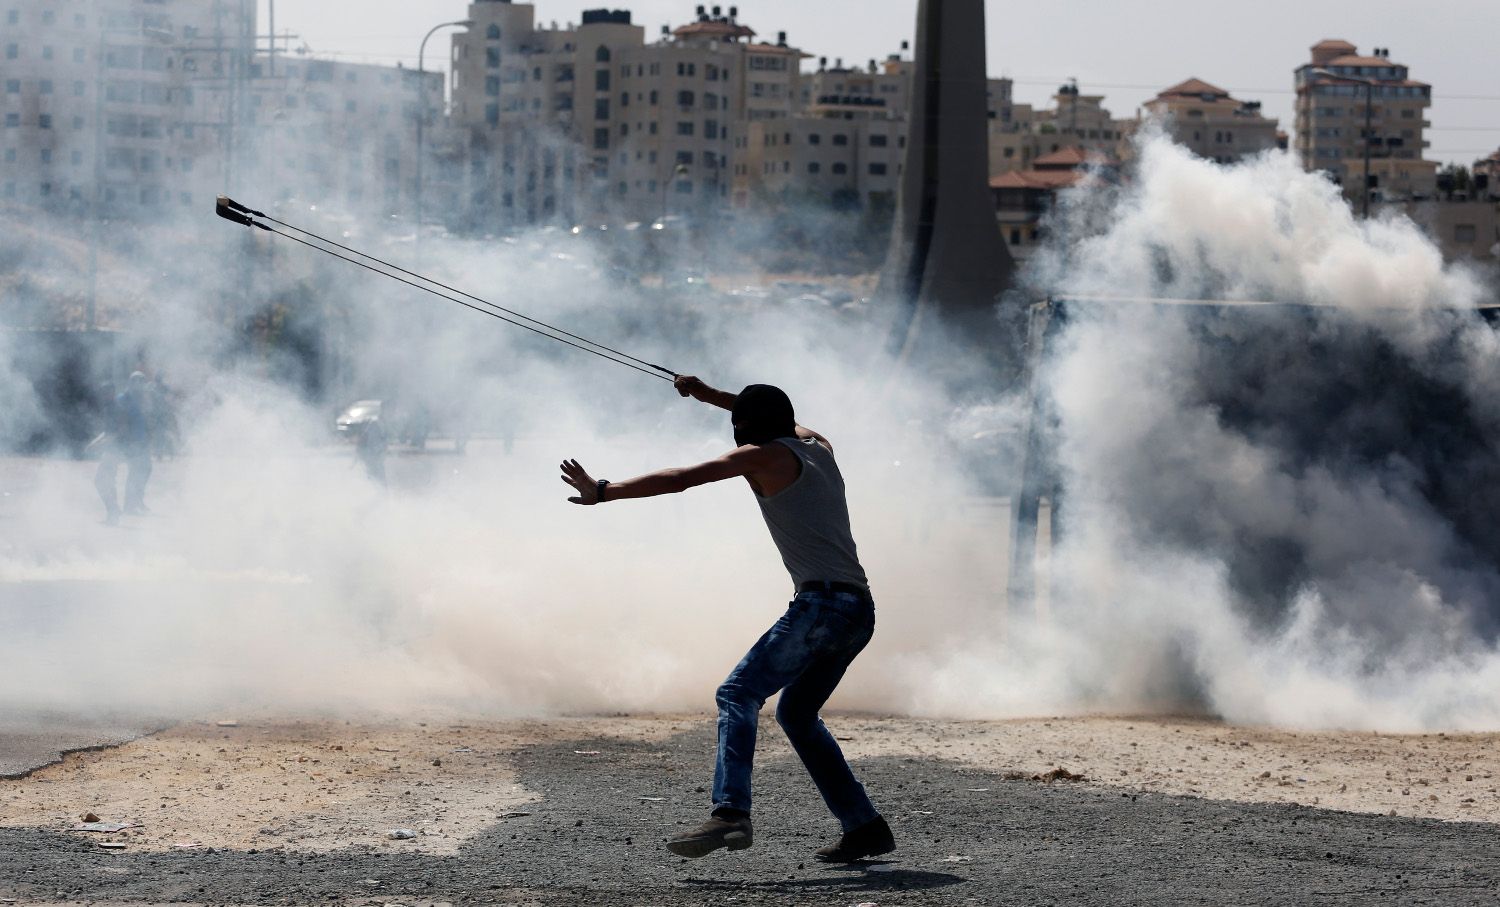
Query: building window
[[492, 86], [492, 113], [685, 127], [12, 51], [653, 98], [46, 155], [711, 129], [12, 119], [492, 57], [625, 99], [12, 86], [564, 102], [601, 55], [601, 79], [840, 169], [877, 141], [841, 139], [601, 138], [684, 99], [601, 109], [624, 130], [814, 167], [651, 129], [492, 33], [877, 170], [44, 121], [1464, 233], [684, 187], [814, 139]]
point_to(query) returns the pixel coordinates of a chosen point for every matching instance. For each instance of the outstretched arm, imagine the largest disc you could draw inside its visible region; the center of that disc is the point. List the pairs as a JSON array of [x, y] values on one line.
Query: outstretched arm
[[738, 462], [690, 386]]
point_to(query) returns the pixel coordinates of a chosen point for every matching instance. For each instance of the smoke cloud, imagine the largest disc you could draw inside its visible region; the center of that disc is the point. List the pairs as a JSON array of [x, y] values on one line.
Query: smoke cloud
[[1278, 514], [1274, 514]]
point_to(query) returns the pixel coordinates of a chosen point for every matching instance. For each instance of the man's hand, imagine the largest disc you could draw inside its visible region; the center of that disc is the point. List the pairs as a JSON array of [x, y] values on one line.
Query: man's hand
[[582, 482], [691, 386]]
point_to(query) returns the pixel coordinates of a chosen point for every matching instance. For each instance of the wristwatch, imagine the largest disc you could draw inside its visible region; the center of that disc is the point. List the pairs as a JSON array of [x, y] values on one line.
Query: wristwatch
[[603, 484]]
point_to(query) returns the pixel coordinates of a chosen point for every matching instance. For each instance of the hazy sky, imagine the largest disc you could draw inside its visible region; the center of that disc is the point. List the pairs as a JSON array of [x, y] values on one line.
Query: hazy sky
[[1127, 51]]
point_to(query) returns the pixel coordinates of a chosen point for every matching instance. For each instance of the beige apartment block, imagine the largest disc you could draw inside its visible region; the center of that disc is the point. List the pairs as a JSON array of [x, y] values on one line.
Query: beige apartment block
[[124, 107], [1019, 135], [1210, 123], [1331, 132], [592, 124]]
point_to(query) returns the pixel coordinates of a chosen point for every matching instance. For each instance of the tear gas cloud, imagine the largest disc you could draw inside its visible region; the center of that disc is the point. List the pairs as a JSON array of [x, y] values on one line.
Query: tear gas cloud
[[1276, 514], [274, 573], [1230, 545]]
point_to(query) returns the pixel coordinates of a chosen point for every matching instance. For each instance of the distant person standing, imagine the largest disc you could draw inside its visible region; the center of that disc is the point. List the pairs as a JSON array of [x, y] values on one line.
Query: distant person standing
[[370, 449], [126, 441]]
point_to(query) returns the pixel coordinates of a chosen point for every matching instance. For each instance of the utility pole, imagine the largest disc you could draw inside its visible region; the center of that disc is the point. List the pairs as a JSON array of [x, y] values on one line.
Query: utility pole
[[422, 119]]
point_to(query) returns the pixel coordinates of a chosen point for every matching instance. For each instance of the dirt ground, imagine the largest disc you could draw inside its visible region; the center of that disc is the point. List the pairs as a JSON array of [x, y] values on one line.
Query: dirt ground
[[317, 786]]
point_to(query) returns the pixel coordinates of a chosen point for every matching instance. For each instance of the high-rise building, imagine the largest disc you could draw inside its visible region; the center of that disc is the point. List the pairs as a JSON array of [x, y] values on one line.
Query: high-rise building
[[1211, 123], [592, 123], [120, 107], [1332, 134]]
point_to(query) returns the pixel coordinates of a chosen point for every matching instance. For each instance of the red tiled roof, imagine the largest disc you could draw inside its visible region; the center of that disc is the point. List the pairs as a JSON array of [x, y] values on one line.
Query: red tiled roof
[[1193, 87], [1356, 60], [1037, 179], [714, 30], [1068, 158], [1333, 44], [1339, 80]]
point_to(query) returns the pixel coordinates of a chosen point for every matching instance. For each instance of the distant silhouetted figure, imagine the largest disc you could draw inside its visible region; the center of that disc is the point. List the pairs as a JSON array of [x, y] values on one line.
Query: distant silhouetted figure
[[370, 448], [126, 440], [166, 438]]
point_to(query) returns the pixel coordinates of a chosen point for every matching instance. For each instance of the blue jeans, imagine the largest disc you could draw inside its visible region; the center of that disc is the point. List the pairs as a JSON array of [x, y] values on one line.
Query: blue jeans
[[804, 656]]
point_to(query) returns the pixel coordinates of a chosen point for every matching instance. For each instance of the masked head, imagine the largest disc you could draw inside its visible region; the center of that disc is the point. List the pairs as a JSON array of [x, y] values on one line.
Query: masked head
[[761, 414]]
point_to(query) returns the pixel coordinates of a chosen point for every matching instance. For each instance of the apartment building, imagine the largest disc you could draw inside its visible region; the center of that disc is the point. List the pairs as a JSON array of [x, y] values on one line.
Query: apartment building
[[119, 106], [1019, 135], [343, 136], [1211, 123], [592, 123], [137, 108], [1331, 130]]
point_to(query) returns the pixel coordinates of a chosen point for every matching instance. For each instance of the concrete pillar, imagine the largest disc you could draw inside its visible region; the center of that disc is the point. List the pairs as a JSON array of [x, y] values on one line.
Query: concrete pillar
[[948, 261]]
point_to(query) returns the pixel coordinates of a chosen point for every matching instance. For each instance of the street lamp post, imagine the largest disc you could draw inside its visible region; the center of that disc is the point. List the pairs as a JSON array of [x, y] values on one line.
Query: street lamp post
[[422, 115], [1369, 85]]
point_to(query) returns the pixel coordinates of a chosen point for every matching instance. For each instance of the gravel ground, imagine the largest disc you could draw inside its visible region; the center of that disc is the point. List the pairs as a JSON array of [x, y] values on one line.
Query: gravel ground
[[965, 836]]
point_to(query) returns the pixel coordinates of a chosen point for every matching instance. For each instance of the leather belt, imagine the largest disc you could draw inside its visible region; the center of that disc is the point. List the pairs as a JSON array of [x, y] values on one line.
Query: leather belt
[[825, 586]]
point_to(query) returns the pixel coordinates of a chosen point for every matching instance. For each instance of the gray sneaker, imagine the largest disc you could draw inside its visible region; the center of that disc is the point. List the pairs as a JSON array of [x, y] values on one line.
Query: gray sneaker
[[734, 834]]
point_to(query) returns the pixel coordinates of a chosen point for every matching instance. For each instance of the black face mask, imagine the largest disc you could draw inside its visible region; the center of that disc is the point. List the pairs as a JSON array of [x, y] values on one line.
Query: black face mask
[[762, 414]]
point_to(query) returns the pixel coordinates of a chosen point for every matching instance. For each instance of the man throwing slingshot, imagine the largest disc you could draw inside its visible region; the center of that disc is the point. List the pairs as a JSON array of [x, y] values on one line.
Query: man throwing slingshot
[[804, 655]]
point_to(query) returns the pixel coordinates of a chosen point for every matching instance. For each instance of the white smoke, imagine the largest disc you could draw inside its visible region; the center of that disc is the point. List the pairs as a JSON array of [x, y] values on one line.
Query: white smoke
[[1230, 546]]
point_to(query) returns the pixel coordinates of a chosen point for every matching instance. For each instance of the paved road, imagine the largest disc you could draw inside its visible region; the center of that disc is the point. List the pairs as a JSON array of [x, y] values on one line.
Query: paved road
[[966, 837], [30, 739]]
